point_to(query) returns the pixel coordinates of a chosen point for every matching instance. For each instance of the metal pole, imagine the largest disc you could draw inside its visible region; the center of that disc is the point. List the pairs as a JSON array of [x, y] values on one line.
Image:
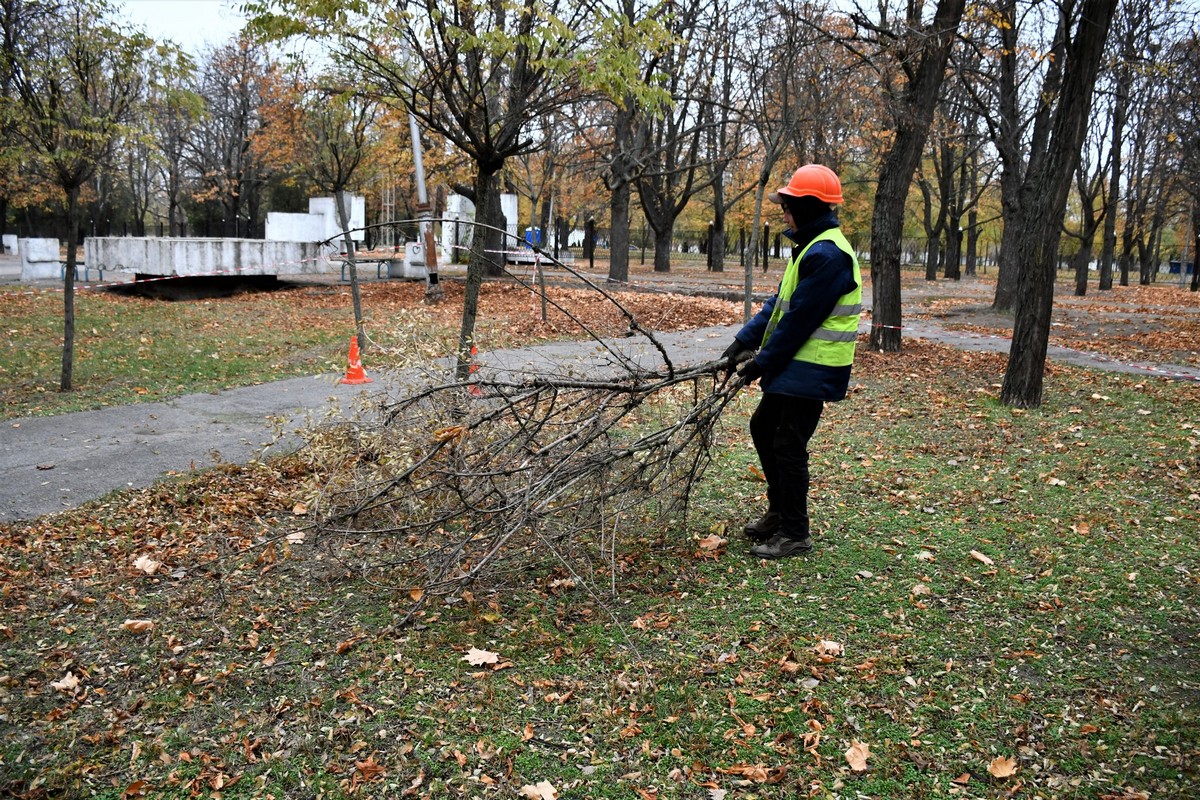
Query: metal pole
[[433, 289]]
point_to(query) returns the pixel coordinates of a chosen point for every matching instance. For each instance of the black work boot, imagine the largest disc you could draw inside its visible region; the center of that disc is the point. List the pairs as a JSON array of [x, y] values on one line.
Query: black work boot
[[780, 546], [764, 528]]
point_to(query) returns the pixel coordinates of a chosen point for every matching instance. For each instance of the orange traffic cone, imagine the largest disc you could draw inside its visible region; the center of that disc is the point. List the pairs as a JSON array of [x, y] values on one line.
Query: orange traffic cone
[[356, 373]]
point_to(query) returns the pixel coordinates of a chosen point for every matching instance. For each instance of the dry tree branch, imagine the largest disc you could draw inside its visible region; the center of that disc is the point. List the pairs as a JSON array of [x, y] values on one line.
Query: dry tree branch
[[524, 466]]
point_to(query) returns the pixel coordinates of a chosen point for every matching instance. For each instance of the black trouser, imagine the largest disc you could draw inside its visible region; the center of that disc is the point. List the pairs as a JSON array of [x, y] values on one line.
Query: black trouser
[[781, 427]]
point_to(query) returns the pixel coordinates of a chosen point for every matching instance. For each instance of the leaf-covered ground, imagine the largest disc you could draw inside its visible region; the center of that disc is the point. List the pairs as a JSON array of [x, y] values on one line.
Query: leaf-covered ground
[[1157, 324], [1000, 604]]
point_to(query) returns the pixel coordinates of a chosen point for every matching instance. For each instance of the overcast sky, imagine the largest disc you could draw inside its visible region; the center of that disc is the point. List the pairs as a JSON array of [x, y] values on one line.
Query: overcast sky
[[191, 23]]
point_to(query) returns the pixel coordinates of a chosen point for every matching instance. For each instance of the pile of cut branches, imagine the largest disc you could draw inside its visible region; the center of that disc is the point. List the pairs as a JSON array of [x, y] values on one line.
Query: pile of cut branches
[[522, 465]]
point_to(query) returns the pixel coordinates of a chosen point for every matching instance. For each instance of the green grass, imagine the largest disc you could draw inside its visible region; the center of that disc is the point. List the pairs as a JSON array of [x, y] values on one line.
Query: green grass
[[1073, 653], [132, 349], [135, 349]]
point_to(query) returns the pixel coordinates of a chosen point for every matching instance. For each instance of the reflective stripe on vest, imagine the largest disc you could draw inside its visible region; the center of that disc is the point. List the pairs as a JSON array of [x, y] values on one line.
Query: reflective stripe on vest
[[832, 344]]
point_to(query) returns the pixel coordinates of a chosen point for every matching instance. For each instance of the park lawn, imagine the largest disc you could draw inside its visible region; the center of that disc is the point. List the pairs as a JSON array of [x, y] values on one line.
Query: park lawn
[[134, 349], [1001, 604]]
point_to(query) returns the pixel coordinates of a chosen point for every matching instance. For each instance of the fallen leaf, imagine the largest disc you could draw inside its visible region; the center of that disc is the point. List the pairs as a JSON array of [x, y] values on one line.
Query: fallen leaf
[[920, 589], [416, 784], [138, 625], [346, 646], [296, 538], [299, 510], [827, 648], [717, 794], [962, 780], [146, 564], [45, 466], [1002, 767], [981, 558], [68, 683], [135, 789], [712, 542], [542, 790], [369, 770], [857, 755], [477, 658], [451, 433]]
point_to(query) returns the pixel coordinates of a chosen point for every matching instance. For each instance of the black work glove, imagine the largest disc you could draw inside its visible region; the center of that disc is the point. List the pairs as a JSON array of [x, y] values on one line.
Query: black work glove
[[750, 371], [734, 353]]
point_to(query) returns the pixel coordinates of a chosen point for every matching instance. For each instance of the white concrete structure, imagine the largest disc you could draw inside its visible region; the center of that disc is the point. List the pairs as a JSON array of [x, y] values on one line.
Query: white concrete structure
[[324, 206], [508, 207], [39, 259], [456, 234], [320, 223], [9, 244], [191, 257], [456, 238], [282, 227]]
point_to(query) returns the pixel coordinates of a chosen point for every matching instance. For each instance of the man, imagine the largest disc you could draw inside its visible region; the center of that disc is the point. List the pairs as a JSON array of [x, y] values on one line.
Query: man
[[805, 338]]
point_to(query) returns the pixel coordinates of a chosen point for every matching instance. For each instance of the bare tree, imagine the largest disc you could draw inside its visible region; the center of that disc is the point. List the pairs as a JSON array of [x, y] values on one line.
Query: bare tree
[[1184, 132], [474, 73], [335, 132], [77, 78], [220, 146], [1057, 138], [1132, 31], [1147, 185], [637, 31], [1091, 189], [910, 57], [797, 98], [174, 109], [671, 173]]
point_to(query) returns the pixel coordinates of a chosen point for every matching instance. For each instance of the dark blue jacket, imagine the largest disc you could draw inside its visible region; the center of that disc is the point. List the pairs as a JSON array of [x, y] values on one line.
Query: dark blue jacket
[[826, 273]]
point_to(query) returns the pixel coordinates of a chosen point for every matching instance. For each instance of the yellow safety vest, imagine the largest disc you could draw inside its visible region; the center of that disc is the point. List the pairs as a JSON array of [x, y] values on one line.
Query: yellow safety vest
[[832, 344]]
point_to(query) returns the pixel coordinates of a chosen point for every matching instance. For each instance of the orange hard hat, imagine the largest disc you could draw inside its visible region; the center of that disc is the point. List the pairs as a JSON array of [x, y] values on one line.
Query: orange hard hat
[[811, 180]]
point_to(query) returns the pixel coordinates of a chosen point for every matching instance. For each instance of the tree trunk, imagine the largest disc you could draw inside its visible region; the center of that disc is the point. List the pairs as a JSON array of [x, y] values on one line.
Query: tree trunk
[[1195, 246], [953, 253], [718, 238], [1126, 248], [932, 251], [352, 266], [972, 242], [620, 183], [488, 213], [662, 250], [887, 227], [1082, 259], [1046, 206], [68, 353], [748, 271], [1008, 144], [618, 236], [895, 176], [485, 260]]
